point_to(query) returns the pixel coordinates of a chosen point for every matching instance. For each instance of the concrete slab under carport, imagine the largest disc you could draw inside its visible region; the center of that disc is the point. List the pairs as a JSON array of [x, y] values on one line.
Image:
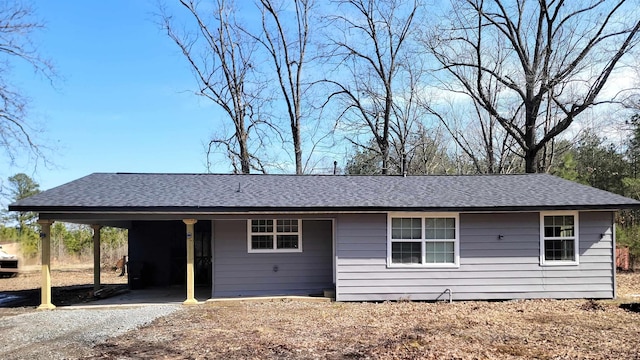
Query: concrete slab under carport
[[149, 296]]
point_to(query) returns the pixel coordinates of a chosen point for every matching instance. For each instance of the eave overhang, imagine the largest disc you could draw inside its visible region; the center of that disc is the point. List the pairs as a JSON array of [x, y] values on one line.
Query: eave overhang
[[318, 209]]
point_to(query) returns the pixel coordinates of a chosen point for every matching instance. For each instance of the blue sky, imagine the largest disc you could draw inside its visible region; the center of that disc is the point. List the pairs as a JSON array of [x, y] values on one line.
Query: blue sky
[[124, 101]]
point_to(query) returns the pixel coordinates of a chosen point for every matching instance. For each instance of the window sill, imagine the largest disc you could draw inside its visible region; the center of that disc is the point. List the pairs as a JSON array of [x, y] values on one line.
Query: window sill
[[423, 266], [275, 251], [560, 263]]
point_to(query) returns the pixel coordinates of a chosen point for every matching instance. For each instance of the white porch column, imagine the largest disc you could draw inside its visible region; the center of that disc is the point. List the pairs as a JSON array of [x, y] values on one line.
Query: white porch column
[[96, 256], [45, 289], [191, 299]]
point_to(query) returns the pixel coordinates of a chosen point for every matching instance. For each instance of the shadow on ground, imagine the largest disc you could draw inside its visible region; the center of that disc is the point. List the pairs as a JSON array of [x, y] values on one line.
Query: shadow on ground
[[60, 295], [633, 307]]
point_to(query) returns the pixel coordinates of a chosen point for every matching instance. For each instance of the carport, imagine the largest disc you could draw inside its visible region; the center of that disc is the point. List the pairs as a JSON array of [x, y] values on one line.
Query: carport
[[173, 220], [97, 222]]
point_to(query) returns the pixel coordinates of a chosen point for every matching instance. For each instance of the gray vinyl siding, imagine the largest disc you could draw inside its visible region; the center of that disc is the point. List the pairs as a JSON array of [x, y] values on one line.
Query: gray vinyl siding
[[490, 268], [239, 273]]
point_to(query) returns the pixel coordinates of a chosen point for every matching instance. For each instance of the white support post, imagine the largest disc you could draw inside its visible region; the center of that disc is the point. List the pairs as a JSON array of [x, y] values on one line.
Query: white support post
[[191, 299], [45, 290]]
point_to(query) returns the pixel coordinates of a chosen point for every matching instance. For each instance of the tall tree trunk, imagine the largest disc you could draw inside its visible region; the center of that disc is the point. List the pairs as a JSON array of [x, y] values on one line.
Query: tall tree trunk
[[230, 83], [295, 132], [287, 53], [371, 35], [384, 151], [530, 165]]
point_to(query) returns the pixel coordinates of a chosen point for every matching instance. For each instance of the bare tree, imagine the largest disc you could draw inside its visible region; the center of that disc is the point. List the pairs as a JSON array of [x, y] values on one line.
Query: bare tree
[[554, 59], [221, 55], [481, 139], [423, 152], [478, 135], [427, 152], [475, 131], [408, 129], [17, 24], [287, 53], [368, 44]]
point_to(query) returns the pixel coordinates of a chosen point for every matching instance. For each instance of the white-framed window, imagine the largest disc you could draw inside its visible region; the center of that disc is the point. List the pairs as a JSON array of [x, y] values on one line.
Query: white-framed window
[[274, 235], [559, 243], [423, 240]]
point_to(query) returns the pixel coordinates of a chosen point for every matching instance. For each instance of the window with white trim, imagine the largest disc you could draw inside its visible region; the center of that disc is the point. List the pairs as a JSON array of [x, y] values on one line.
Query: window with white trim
[[559, 238], [423, 239], [274, 235]]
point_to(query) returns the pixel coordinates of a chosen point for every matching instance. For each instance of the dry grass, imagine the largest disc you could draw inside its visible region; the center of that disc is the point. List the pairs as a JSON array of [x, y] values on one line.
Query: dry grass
[[543, 329], [63, 276], [628, 285]]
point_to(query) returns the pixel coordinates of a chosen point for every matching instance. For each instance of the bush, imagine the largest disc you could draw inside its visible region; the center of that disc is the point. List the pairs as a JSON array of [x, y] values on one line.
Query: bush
[[29, 243]]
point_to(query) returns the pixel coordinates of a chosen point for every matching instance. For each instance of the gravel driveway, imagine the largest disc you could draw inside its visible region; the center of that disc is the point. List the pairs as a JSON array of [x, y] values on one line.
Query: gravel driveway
[[70, 333]]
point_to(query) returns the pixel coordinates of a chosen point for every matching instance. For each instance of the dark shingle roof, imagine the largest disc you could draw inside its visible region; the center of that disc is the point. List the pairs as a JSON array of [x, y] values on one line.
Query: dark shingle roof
[[214, 192]]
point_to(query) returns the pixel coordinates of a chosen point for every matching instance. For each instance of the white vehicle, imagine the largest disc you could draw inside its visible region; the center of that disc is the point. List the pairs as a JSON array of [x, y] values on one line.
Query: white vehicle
[[8, 264]]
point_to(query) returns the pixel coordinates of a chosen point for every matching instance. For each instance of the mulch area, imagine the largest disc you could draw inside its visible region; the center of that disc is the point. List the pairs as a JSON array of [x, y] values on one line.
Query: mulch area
[[542, 329]]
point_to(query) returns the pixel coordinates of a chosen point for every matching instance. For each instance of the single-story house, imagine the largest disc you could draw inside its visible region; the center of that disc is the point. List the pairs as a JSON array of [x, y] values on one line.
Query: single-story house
[[370, 238]]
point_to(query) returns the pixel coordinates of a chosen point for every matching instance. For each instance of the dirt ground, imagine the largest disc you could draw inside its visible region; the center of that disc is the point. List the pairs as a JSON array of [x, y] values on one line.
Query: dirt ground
[[543, 329]]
